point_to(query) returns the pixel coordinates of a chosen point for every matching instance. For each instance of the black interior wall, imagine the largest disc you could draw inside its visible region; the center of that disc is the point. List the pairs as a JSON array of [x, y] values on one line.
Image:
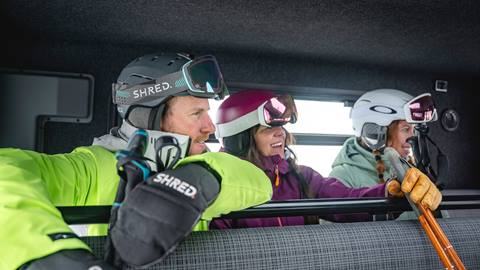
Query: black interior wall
[[460, 146], [104, 61]]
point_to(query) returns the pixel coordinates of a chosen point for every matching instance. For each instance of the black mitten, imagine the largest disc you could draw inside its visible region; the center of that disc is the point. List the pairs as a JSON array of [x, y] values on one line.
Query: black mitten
[[157, 215], [75, 259]]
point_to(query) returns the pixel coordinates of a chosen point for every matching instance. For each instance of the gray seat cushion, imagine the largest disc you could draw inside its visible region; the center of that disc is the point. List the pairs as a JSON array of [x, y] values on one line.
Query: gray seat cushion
[[365, 245]]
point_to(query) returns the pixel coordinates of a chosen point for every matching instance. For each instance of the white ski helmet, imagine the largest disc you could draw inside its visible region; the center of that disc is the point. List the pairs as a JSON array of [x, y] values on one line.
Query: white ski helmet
[[375, 110]]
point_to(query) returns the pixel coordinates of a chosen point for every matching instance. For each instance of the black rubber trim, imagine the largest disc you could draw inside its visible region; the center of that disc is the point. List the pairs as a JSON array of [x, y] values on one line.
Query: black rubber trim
[[101, 214]]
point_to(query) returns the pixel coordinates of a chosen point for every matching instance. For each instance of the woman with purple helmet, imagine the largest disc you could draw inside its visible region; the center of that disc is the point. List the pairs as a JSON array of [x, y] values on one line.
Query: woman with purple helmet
[[250, 125]]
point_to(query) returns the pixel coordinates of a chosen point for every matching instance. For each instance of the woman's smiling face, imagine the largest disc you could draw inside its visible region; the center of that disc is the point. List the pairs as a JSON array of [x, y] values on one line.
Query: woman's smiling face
[[270, 141], [398, 133]]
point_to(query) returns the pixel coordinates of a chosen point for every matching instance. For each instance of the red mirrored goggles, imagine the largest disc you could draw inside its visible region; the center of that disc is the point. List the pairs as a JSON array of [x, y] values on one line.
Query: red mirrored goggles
[[420, 109]]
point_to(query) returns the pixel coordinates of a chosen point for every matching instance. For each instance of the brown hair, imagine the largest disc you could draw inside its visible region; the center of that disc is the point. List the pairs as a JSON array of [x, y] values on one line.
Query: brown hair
[[253, 154], [380, 167], [165, 110], [392, 131], [167, 105]]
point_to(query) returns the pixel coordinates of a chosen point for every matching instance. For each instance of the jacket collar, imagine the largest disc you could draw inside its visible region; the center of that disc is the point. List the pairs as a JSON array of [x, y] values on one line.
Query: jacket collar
[[269, 164], [117, 139]]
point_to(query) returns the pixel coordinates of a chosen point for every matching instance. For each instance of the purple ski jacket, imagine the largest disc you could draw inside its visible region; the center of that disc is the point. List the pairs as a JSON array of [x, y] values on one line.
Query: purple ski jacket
[[288, 188]]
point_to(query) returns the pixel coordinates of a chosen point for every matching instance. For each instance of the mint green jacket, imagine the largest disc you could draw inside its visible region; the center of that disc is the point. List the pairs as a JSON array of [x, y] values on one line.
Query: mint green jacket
[[33, 184], [355, 166]]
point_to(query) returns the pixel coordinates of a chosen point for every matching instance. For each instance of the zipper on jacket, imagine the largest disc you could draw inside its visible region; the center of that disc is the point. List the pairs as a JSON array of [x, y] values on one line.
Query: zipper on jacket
[[277, 183], [277, 176]]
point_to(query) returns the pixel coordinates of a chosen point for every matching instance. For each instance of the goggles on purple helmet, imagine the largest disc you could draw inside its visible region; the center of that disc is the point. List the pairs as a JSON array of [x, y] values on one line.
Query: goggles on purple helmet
[[420, 109], [276, 111], [200, 77]]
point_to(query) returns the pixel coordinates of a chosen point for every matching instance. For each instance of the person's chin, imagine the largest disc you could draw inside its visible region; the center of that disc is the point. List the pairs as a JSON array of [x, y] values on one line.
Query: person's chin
[[197, 149], [405, 153], [280, 153]]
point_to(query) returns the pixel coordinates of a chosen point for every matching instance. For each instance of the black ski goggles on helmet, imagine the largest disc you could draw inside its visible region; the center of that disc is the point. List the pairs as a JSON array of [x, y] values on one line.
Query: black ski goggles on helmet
[[200, 77], [420, 109]]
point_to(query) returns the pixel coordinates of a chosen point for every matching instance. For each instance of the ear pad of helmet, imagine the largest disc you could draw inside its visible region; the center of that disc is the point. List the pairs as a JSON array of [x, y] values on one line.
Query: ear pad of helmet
[[237, 144], [139, 117], [145, 117], [374, 136]]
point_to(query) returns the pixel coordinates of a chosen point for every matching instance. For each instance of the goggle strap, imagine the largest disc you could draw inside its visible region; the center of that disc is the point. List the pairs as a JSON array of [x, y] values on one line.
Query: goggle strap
[[168, 85], [260, 116], [238, 125]]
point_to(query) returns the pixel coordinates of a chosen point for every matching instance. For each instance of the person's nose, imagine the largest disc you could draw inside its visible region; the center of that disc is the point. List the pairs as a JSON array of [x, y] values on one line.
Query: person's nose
[[207, 125], [278, 131], [411, 131], [410, 134]]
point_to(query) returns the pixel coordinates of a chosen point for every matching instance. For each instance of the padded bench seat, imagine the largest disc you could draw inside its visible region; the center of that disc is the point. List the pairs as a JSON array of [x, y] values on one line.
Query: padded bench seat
[[362, 245]]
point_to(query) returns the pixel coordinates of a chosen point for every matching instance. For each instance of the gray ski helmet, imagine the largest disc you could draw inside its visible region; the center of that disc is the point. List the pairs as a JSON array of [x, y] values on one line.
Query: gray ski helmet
[[144, 69]]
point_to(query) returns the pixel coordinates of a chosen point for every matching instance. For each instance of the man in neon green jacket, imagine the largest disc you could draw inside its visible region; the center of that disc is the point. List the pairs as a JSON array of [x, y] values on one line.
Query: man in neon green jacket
[[156, 92]]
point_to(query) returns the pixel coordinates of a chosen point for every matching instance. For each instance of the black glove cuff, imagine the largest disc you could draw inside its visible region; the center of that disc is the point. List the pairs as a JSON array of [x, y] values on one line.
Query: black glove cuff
[[74, 259]]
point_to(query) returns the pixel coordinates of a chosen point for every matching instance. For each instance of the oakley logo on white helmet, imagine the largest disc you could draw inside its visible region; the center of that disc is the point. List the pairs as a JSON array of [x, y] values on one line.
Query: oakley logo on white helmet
[[383, 109], [377, 109]]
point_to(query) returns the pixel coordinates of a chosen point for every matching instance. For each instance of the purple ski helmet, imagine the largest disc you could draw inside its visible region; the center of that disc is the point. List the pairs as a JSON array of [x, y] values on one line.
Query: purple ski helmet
[[246, 109]]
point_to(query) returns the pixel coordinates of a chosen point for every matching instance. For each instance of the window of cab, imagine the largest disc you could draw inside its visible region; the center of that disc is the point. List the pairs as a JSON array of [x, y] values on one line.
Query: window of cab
[[321, 129]]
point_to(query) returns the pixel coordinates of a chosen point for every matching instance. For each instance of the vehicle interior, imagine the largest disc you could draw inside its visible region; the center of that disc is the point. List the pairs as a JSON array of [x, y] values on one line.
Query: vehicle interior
[[61, 57]]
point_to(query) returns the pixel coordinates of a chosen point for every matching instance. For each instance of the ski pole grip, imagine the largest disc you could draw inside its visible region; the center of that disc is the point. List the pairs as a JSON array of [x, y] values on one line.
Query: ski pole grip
[[138, 143]]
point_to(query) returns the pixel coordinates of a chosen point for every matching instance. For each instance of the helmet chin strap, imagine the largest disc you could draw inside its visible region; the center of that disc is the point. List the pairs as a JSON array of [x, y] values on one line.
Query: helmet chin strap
[[237, 144], [422, 154]]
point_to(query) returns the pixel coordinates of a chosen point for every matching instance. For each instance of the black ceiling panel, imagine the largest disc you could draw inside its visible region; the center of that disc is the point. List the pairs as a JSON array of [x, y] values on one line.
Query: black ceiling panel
[[442, 36]]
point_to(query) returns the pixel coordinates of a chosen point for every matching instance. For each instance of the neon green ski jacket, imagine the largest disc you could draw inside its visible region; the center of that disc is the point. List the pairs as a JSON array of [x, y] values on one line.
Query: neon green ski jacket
[[33, 184]]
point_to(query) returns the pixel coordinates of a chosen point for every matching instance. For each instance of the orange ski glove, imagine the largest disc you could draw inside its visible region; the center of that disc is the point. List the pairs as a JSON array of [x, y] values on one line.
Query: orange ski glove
[[421, 188]]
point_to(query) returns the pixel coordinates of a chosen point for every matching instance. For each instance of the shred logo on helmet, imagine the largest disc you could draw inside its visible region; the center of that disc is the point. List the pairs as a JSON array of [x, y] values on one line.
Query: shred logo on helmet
[[151, 90], [375, 110], [200, 77], [148, 82]]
